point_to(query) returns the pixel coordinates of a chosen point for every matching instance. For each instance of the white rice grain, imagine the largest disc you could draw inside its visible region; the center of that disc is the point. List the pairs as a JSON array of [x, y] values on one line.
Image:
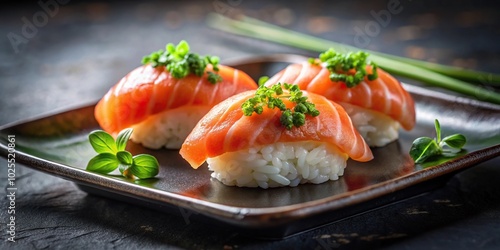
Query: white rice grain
[[279, 179], [268, 169], [289, 165]]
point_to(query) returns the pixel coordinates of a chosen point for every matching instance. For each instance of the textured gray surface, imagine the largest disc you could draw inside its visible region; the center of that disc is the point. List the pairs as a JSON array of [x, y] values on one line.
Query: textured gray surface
[[86, 47]]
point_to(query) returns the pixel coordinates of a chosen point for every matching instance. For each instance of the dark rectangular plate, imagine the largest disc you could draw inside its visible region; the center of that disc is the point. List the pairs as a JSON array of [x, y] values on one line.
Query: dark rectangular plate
[[57, 144]]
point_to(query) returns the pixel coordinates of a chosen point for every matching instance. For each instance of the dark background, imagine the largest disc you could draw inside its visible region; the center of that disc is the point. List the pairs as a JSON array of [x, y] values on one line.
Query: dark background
[[87, 46]]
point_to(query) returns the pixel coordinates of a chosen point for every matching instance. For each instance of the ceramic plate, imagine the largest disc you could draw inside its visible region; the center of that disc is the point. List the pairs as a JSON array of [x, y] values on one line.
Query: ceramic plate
[[57, 144]]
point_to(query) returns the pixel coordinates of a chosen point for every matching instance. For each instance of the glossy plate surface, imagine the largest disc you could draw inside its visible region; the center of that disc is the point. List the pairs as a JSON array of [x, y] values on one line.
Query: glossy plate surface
[[57, 144]]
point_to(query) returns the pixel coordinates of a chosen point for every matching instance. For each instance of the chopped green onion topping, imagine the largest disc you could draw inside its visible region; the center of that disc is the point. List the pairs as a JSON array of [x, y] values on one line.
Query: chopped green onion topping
[[180, 62], [341, 66], [271, 97]]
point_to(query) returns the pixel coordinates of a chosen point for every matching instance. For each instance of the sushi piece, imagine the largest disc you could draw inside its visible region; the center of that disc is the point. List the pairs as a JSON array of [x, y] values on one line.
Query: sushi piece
[[163, 99], [272, 138], [376, 101]]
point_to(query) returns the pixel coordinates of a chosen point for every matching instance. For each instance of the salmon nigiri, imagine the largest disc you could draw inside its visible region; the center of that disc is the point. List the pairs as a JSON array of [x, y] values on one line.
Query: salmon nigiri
[[377, 106], [250, 140], [163, 99]]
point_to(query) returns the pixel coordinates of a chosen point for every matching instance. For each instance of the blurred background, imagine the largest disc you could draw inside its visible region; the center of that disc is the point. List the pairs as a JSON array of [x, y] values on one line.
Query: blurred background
[[85, 47], [57, 54]]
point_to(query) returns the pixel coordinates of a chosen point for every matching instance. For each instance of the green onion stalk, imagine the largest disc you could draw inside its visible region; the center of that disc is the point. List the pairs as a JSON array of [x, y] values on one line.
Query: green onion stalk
[[433, 74]]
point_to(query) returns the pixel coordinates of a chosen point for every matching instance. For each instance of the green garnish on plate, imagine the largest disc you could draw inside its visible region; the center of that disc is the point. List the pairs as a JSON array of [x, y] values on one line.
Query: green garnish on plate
[[425, 147], [180, 62], [112, 155], [271, 97]]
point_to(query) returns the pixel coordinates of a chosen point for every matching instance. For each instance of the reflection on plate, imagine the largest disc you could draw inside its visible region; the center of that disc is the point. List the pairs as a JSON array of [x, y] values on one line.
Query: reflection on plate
[[57, 144]]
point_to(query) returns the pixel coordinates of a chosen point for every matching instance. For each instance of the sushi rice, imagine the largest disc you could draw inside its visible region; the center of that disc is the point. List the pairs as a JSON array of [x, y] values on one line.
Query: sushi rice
[[169, 128], [279, 164], [376, 128]]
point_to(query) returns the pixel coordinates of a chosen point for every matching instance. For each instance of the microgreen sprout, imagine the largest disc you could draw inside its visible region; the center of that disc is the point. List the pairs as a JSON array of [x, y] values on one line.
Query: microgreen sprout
[[112, 155], [426, 147], [180, 62]]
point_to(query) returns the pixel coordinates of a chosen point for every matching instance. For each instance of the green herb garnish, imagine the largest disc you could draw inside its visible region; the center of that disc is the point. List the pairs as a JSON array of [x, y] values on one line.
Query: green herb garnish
[[349, 68], [271, 97], [112, 155], [180, 62], [425, 147], [262, 80]]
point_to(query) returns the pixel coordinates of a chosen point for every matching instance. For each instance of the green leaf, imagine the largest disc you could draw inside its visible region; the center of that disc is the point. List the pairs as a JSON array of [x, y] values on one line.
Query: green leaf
[[440, 159], [124, 157], [122, 139], [144, 166], [182, 48], [423, 148], [262, 80], [170, 47], [103, 163], [102, 142], [426, 149], [456, 141], [438, 130], [109, 158]]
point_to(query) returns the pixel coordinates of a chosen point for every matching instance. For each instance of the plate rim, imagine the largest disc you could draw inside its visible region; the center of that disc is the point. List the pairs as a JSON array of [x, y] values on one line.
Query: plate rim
[[254, 216], [257, 216]]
